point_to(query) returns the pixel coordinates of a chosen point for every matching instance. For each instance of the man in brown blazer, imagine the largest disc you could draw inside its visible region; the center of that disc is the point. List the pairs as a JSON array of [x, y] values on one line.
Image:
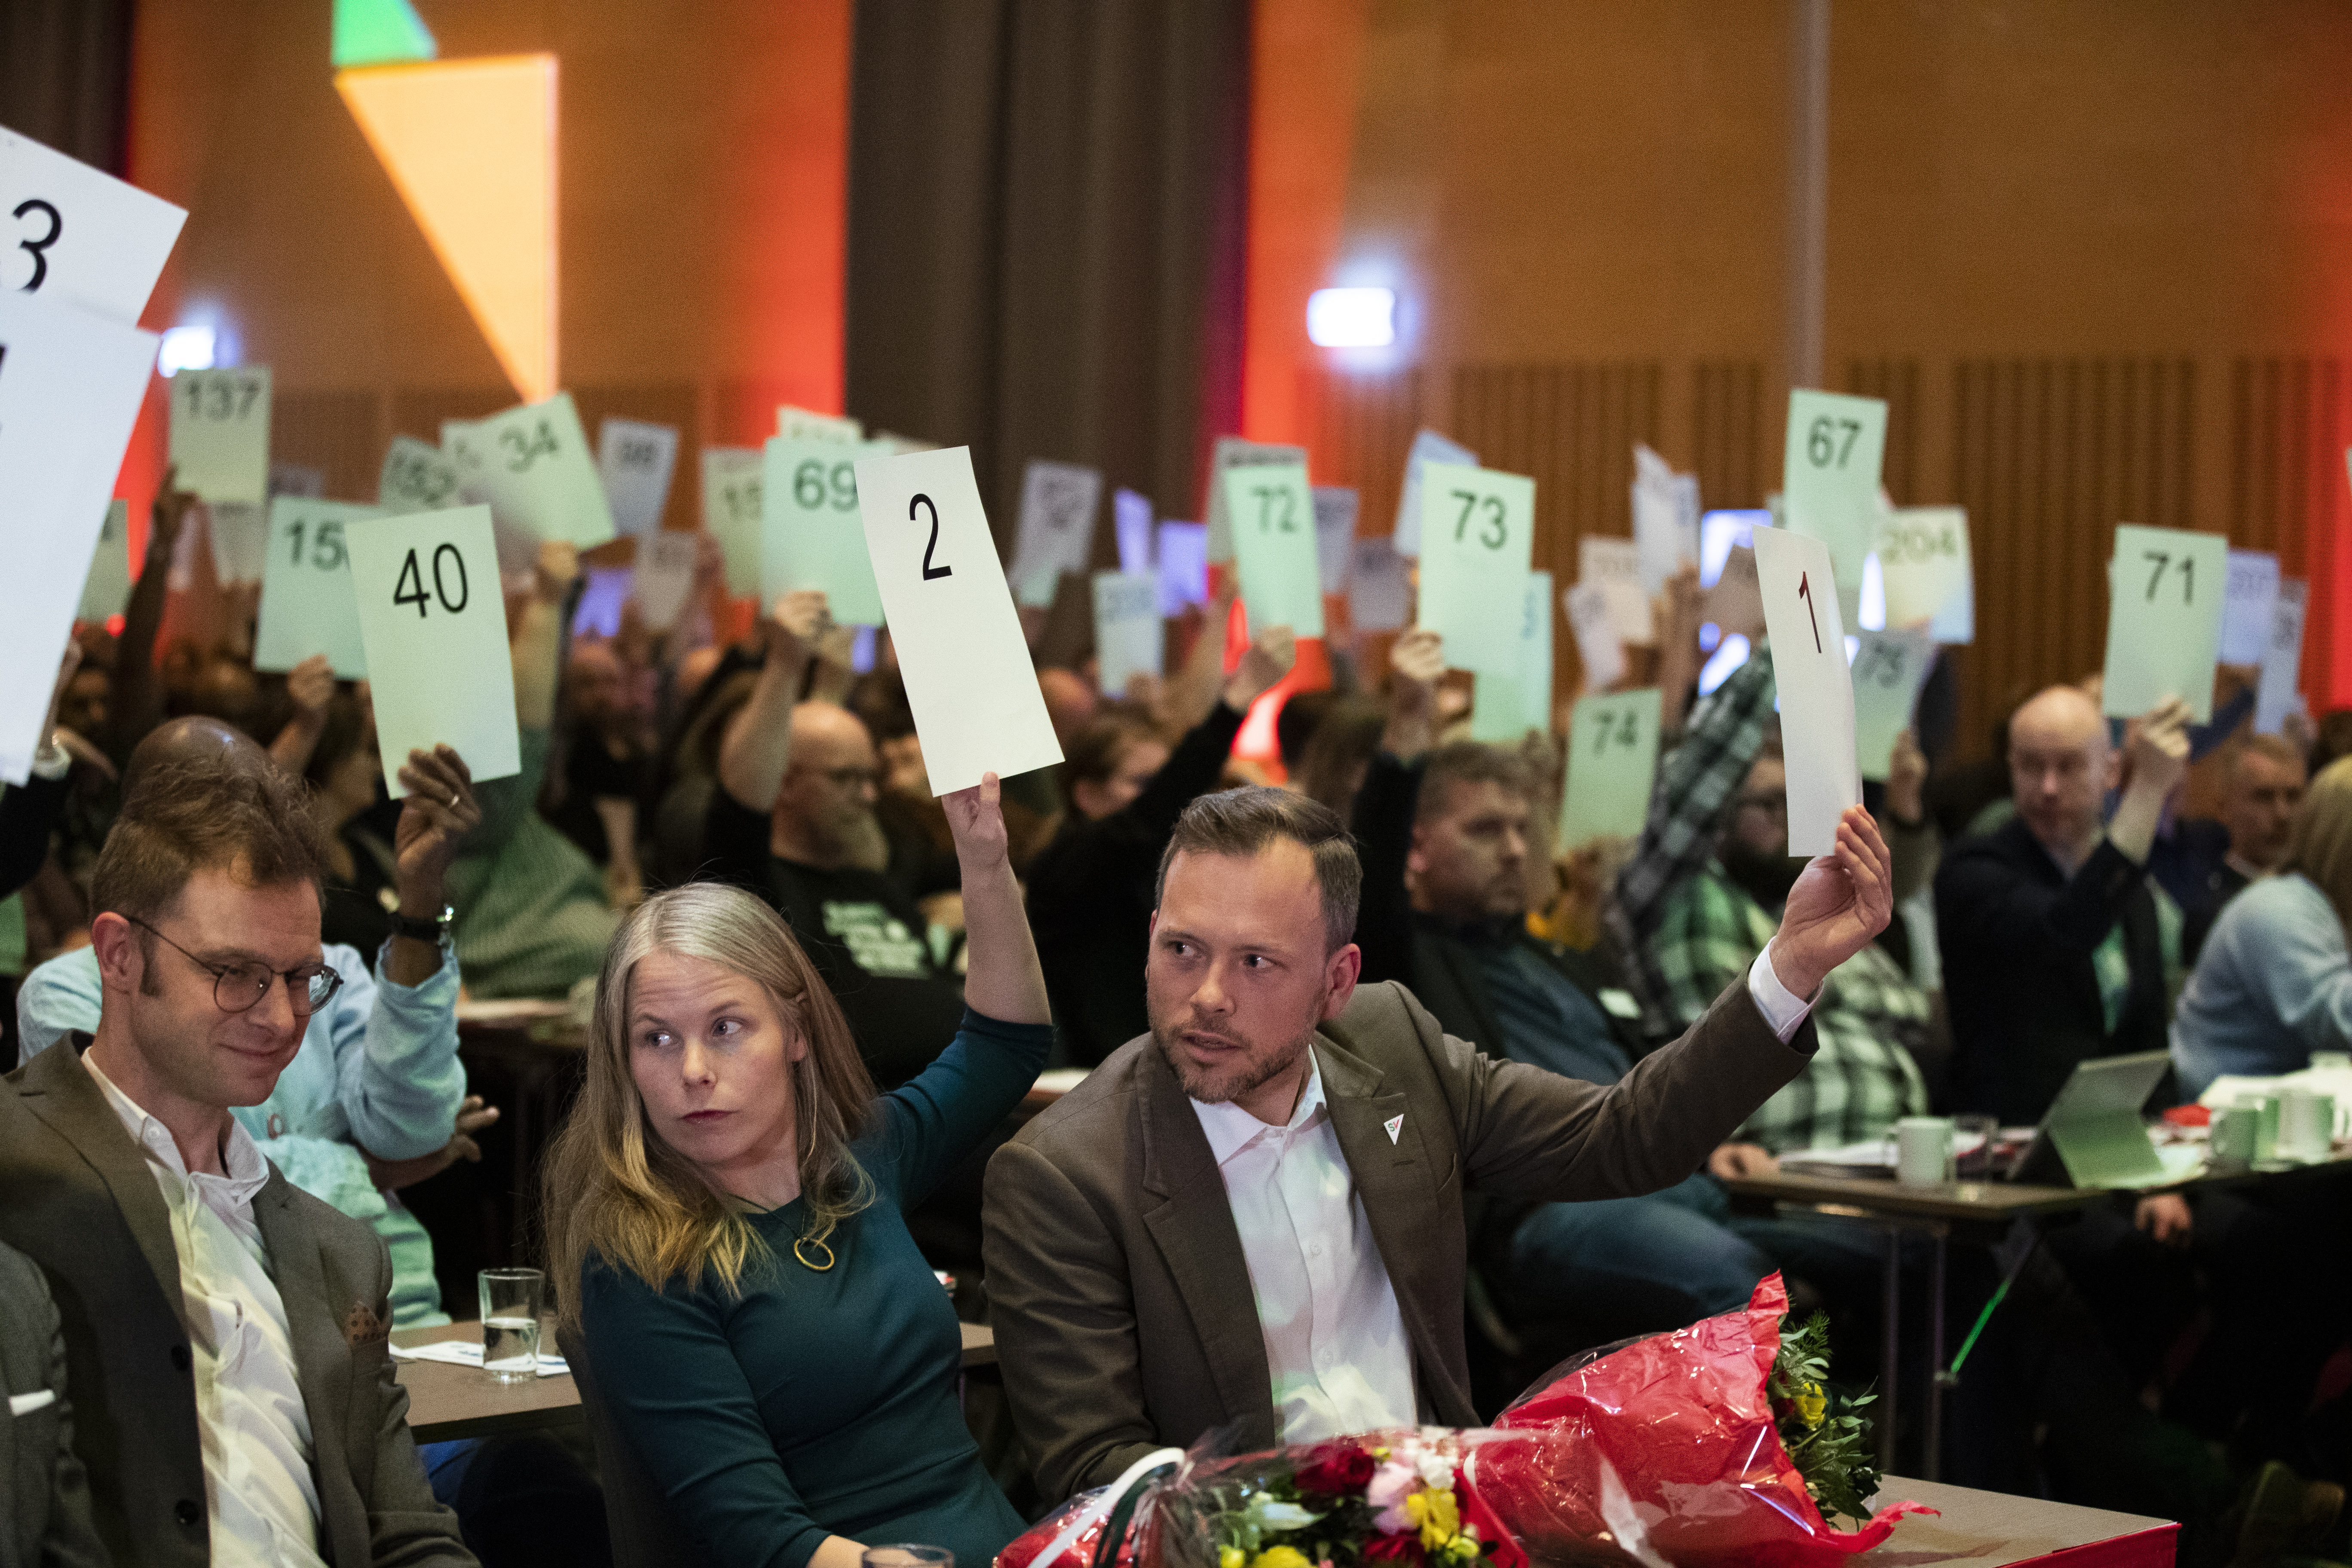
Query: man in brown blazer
[[224, 1332], [1252, 1216]]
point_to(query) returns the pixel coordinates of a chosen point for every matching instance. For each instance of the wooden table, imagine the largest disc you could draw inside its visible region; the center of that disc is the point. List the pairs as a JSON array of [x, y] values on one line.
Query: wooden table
[[446, 1402], [1990, 1530]]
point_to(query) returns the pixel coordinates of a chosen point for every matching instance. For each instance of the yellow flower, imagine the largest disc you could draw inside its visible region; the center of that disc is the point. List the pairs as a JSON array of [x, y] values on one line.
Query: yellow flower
[[1812, 1405], [1280, 1557], [1231, 1557], [1434, 1511]]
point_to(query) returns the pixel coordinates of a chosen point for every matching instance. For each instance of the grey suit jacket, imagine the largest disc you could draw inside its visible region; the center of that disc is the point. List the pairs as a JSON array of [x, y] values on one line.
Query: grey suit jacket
[[1120, 1297], [44, 1490], [80, 1201]]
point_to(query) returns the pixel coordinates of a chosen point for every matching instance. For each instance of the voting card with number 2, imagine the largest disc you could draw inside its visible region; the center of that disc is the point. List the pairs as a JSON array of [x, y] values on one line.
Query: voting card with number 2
[[1817, 728], [434, 624]]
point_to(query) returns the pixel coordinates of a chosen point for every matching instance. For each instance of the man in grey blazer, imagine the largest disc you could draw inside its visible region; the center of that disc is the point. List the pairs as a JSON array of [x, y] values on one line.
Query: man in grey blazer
[[43, 1491], [1252, 1216], [225, 1333]]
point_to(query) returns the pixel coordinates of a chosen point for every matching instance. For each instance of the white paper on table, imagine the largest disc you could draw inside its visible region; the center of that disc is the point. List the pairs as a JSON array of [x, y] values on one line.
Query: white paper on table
[[1597, 643], [416, 476], [1666, 520], [1478, 534], [1428, 447], [1830, 474], [1233, 452], [664, 575], [2165, 587], [1184, 569], [969, 679], [1379, 587], [2282, 679], [71, 389], [1614, 566], [1056, 531], [466, 1352], [106, 589], [239, 532], [1132, 519], [1889, 668], [1128, 638], [1273, 516], [1612, 760], [531, 464], [806, 424], [732, 481], [1335, 535], [2246, 617], [1817, 725], [1923, 564], [810, 535], [434, 624], [637, 462], [220, 433], [77, 236], [307, 605], [1504, 708]]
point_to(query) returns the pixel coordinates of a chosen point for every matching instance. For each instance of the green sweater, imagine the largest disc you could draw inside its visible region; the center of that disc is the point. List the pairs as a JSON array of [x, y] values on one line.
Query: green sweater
[[823, 1404]]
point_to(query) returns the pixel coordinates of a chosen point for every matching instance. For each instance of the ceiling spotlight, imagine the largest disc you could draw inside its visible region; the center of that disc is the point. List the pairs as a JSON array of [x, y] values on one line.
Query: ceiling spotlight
[[1352, 318]]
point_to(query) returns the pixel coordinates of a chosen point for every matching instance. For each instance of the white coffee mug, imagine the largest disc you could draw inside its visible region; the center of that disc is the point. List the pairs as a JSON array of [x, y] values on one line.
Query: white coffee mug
[[1923, 1151]]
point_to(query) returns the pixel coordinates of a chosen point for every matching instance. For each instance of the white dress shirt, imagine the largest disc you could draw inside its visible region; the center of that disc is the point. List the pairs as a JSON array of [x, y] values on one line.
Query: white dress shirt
[[255, 1429], [1335, 1339]]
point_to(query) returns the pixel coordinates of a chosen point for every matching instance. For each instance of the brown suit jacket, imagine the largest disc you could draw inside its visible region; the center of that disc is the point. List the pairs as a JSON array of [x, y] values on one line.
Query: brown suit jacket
[[76, 1195], [1121, 1298]]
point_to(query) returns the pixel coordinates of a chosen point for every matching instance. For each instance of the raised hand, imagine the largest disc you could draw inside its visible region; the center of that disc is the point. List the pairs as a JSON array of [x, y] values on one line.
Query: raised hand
[[797, 623], [1840, 903], [976, 818], [1262, 666], [2160, 750], [555, 570], [440, 811], [311, 686], [1416, 665]]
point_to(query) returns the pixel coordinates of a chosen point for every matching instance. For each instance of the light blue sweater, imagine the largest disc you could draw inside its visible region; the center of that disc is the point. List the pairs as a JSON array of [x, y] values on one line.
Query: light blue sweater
[[2272, 984]]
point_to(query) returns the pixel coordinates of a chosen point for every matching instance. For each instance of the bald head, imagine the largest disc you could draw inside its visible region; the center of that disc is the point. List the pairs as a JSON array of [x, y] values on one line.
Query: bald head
[[197, 739], [2060, 767], [825, 807]]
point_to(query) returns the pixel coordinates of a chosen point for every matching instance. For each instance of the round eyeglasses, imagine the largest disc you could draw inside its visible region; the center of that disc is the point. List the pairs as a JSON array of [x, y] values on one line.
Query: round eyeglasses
[[238, 987]]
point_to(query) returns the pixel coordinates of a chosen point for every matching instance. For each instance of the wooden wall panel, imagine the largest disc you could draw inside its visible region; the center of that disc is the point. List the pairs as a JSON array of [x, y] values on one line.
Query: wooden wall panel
[[2290, 422], [1571, 427], [674, 403], [1358, 428], [340, 434], [1895, 383], [1726, 433]]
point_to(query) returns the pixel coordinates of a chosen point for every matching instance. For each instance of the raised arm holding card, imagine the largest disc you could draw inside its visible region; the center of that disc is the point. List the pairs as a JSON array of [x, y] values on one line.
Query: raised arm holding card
[[135, 701], [309, 687]]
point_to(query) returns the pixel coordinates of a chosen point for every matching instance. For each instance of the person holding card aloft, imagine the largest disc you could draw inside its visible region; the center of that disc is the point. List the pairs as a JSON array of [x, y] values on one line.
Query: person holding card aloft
[[731, 1249]]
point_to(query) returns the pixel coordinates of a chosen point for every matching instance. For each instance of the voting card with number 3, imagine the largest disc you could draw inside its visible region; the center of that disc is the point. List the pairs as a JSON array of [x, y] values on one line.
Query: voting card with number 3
[[1817, 728]]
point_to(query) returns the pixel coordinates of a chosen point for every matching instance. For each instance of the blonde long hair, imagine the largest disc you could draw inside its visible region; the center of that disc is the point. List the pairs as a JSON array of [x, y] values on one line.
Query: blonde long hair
[[2320, 844], [614, 1188]]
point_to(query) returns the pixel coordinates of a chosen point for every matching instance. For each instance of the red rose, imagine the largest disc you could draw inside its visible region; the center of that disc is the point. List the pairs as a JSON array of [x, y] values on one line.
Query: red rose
[[1406, 1548], [1337, 1472]]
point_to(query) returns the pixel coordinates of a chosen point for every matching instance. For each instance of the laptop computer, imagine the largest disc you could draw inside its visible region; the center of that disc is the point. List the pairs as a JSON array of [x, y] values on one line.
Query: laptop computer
[[2092, 1135]]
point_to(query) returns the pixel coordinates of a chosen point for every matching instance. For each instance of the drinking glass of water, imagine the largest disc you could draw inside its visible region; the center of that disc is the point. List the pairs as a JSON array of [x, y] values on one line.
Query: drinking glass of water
[[511, 1299]]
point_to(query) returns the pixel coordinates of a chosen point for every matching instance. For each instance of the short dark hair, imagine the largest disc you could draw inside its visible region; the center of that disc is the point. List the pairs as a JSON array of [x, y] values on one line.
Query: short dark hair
[[1095, 752], [1468, 761], [209, 813], [1243, 822]]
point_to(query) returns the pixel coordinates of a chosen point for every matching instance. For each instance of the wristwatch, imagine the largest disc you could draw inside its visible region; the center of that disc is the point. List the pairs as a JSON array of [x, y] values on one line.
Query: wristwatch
[[435, 930]]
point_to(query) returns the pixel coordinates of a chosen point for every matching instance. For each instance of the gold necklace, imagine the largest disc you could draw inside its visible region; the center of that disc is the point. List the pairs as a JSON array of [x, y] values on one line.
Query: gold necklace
[[799, 1242]]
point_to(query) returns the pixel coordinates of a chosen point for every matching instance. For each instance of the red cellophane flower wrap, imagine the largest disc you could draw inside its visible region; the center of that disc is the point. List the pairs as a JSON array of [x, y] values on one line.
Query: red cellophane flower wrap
[[1666, 1451]]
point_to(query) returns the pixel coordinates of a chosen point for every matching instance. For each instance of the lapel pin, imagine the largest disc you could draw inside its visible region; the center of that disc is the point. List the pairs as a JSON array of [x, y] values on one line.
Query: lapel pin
[[1395, 1125]]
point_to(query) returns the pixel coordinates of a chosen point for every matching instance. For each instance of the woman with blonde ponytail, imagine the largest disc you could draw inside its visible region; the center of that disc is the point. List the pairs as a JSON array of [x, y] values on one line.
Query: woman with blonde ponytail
[[725, 1211]]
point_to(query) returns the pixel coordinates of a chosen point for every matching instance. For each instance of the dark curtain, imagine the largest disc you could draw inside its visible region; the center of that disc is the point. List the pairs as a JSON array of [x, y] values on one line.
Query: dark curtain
[[1045, 236], [65, 76]]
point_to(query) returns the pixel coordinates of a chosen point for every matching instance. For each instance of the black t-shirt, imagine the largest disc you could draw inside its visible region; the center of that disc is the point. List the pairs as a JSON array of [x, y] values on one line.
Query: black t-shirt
[[862, 930]]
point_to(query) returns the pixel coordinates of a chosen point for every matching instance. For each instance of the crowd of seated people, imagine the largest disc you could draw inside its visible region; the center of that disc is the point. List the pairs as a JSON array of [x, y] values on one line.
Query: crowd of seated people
[[812, 1003]]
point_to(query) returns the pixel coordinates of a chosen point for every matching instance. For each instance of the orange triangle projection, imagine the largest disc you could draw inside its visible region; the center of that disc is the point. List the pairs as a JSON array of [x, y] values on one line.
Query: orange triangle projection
[[471, 146]]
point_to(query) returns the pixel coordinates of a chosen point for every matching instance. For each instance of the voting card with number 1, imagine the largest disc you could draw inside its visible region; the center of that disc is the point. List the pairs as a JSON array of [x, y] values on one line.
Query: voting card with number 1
[[306, 604], [2166, 594], [969, 679], [1817, 728], [434, 624]]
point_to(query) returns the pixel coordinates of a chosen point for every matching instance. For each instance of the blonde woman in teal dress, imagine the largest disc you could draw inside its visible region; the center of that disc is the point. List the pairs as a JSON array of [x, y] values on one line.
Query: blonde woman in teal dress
[[726, 1209]]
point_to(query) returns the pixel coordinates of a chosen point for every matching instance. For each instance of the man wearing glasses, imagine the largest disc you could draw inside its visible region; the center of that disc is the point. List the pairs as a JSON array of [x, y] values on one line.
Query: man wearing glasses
[[226, 1332]]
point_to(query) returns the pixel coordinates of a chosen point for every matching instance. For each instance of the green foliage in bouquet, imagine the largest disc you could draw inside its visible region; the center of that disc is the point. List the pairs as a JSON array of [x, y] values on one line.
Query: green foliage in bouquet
[[1827, 1439]]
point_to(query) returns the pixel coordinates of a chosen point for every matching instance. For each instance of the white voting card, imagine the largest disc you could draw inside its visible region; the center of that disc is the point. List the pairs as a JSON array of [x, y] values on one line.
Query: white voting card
[[1233, 452], [107, 589], [78, 236], [220, 433], [1817, 727], [306, 604], [1598, 646], [810, 535], [1504, 708], [2281, 660], [1056, 531], [533, 465], [1428, 447], [1379, 587], [1829, 474], [1131, 518], [1335, 535], [1614, 566], [2246, 618], [799, 424], [1612, 760], [1923, 562], [636, 461], [1478, 534], [434, 624], [70, 387], [731, 479], [1665, 518], [663, 576], [1128, 636], [2166, 589], [1183, 568], [239, 531], [1889, 668], [968, 676], [418, 476], [1273, 516]]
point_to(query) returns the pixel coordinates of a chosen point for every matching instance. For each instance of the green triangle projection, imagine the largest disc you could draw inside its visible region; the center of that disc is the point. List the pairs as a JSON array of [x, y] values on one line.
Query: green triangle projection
[[380, 32]]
